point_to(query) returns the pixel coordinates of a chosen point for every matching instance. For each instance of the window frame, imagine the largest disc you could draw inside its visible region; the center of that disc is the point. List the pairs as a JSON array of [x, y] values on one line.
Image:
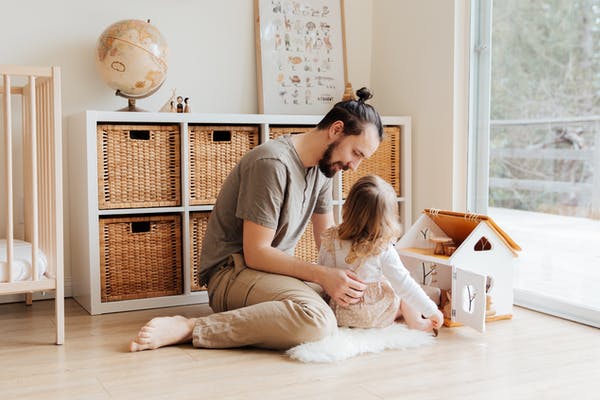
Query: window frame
[[479, 160]]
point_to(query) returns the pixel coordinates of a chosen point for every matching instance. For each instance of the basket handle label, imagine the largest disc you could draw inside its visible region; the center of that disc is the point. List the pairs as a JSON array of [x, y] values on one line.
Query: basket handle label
[[140, 227], [139, 134], [221, 136]]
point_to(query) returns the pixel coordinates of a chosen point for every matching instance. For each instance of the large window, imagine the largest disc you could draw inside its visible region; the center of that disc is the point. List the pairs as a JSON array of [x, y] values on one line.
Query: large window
[[535, 141]]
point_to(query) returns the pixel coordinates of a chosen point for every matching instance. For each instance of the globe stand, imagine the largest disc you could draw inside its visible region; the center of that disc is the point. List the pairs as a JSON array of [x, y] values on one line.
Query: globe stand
[[130, 103], [131, 99]]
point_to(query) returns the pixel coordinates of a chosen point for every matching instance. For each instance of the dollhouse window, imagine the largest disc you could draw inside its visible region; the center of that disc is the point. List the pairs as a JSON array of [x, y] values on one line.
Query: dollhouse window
[[482, 245]]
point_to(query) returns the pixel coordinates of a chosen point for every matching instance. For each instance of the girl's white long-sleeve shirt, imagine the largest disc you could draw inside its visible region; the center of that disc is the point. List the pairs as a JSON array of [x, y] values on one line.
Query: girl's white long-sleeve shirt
[[333, 253]]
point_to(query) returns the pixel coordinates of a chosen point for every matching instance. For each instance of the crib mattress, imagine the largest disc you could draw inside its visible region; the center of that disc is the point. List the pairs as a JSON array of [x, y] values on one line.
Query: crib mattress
[[21, 268]]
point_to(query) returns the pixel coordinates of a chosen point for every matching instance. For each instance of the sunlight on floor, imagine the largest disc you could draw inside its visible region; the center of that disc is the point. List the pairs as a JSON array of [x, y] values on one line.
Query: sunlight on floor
[[560, 257]]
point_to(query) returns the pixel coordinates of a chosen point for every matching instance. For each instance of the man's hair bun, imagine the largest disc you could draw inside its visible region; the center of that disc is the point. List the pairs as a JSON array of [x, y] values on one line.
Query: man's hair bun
[[364, 94]]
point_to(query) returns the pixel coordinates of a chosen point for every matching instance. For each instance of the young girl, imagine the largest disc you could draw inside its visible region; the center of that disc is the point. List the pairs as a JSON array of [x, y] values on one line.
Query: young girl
[[363, 244]]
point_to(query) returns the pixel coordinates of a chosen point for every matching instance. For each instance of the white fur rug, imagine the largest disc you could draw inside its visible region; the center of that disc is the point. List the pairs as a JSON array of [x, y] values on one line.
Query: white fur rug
[[350, 342]]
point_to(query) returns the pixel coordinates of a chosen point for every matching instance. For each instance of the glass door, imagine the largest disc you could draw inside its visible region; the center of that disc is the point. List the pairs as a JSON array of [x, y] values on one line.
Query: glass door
[[535, 145]]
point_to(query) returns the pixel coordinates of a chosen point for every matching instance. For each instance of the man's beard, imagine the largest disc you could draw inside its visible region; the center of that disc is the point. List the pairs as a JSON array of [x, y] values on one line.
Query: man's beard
[[325, 164]]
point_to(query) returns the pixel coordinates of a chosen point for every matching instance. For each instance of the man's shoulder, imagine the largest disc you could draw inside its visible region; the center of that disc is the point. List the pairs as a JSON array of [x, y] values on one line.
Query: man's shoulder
[[276, 149], [267, 161]]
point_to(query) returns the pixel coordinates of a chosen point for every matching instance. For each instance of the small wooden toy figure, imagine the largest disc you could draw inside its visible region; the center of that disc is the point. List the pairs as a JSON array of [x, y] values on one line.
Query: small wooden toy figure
[[169, 106], [446, 304], [186, 107], [489, 304], [179, 104]]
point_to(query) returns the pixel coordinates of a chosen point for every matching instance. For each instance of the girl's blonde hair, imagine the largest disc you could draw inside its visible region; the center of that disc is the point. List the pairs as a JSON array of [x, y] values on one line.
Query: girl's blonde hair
[[370, 217]]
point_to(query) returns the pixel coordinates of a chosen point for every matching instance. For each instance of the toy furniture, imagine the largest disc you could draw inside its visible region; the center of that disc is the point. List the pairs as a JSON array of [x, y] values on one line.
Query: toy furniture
[[31, 230], [474, 273]]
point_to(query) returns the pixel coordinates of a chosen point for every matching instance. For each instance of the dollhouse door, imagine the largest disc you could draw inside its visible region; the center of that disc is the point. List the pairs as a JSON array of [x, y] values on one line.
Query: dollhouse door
[[468, 298]]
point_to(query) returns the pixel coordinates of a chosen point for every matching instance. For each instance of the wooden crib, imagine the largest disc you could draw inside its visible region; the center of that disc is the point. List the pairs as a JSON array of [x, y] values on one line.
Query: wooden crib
[[33, 94]]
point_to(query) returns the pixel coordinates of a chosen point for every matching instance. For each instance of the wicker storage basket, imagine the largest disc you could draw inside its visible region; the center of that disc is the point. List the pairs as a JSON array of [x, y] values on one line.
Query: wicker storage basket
[[306, 248], [214, 151], [198, 224], [385, 163], [140, 257], [138, 166], [276, 131]]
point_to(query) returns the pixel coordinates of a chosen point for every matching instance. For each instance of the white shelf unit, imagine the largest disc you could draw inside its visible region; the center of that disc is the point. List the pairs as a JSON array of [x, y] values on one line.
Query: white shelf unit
[[85, 212]]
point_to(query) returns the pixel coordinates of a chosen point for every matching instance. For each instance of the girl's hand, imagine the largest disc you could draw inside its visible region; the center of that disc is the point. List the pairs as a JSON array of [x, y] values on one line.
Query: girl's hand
[[343, 286], [437, 319]]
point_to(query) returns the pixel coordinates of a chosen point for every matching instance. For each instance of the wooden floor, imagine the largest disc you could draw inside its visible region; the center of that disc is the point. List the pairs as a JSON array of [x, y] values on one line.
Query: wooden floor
[[532, 356]]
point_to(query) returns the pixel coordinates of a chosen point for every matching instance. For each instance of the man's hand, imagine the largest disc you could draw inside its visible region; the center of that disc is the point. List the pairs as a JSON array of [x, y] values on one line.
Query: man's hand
[[343, 286]]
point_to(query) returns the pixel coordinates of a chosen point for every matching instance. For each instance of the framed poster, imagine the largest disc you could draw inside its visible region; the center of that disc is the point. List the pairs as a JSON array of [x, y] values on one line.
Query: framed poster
[[300, 55]]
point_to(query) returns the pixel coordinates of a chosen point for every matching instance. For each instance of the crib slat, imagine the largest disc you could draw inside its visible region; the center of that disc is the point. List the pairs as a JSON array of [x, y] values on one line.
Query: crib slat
[[44, 179], [50, 181], [33, 165], [50, 188], [26, 170], [26, 177], [42, 160], [56, 127], [9, 184]]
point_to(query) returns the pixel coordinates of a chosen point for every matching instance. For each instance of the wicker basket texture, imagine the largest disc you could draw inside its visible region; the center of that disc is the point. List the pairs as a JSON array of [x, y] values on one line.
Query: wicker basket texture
[[138, 166], [214, 152], [385, 163], [140, 257], [306, 248], [198, 224], [276, 131]]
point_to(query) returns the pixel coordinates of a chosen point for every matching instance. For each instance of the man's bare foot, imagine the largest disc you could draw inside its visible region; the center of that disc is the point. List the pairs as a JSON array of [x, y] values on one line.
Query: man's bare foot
[[163, 331]]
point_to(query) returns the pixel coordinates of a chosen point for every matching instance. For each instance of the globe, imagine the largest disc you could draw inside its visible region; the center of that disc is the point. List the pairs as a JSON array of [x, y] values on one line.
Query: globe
[[131, 57]]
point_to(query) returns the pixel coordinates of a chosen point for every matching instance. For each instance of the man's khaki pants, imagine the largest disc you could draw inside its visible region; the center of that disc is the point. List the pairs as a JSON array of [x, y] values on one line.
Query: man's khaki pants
[[254, 308]]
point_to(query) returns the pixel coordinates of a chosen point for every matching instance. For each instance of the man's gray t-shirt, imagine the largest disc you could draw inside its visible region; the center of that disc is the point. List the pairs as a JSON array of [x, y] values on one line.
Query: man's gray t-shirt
[[271, 187]]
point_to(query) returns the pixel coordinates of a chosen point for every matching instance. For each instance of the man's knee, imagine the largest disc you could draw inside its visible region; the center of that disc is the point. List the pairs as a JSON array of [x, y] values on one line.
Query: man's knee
[[319, 323]]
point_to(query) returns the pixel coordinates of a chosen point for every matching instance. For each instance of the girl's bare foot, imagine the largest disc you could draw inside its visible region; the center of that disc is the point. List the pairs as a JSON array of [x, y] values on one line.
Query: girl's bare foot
[[163, 331]]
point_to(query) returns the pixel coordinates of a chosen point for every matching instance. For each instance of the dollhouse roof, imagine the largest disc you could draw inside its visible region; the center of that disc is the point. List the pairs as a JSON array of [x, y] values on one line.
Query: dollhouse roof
[[458, 225]]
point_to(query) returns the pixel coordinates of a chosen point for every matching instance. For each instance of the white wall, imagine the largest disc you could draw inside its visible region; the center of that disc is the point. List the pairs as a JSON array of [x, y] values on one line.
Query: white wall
[[403, 50], [359, 38], [211, 49], [413, 74], [212, 53]]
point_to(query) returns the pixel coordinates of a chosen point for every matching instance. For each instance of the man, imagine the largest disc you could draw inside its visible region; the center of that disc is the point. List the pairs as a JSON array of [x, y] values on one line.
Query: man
[[256, 287]]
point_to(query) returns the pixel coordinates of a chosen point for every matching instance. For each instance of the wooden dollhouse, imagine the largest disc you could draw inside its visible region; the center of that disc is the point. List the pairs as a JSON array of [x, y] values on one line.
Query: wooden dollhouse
[[469, 258]]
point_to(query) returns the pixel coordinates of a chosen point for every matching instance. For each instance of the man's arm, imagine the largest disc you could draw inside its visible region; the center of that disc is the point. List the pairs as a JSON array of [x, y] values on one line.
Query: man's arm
[[341, 285], [320, 223]]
